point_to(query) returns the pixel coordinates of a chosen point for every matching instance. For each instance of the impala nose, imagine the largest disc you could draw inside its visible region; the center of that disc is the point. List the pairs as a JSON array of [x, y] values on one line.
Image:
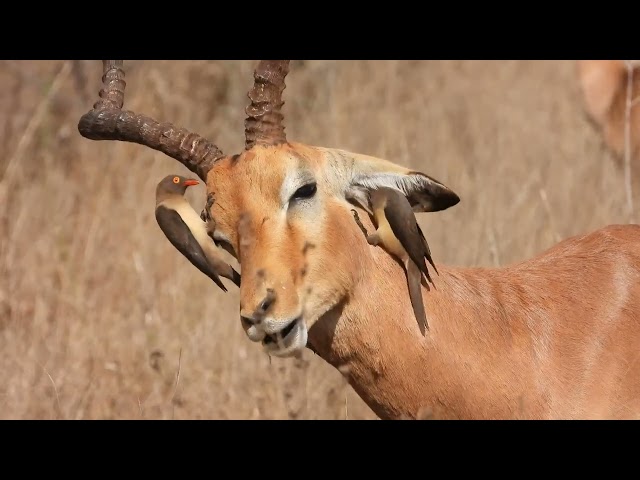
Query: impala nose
[[261, 310]]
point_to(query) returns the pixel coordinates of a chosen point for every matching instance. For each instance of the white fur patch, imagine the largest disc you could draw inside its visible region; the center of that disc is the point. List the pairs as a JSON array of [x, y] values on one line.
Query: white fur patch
[[360, 196], [294, 343], [357, 174], [292, 182], [407, 184], [411, 185]]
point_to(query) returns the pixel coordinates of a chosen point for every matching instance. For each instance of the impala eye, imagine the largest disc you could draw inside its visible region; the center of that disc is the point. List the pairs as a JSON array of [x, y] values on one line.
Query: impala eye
[[306, 191]]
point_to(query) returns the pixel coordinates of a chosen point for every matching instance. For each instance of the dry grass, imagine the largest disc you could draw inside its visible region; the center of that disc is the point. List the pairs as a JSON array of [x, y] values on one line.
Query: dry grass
[[98, 311]]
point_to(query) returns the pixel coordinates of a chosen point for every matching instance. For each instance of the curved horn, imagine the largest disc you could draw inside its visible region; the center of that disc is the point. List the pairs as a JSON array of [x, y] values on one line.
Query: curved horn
[[263, 124], [107, 121]]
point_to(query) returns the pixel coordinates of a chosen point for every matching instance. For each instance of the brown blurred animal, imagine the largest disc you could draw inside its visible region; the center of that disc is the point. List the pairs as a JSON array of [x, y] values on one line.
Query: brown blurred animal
[[604, 86]]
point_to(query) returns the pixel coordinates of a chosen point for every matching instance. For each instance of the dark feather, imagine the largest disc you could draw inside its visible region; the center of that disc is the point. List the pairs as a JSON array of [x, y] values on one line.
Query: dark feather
[[235, 277], [402, 221], [415, 295], [427, 249], [182, 239]]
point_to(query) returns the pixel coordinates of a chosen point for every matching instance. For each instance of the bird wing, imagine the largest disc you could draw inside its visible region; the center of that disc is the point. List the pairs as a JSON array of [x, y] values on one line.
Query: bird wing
[[427, 249], [178, 233], [402, 221]]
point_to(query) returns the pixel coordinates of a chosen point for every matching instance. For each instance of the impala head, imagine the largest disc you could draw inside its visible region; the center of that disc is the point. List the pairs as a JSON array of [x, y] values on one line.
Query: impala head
[[282, 209]]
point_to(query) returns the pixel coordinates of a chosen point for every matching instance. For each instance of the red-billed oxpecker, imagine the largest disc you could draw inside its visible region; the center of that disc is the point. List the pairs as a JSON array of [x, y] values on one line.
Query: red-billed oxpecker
[[188, 232], [399, 233]]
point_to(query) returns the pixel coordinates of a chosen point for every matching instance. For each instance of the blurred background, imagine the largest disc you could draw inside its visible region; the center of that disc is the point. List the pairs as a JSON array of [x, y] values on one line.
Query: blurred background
[[99, 313]]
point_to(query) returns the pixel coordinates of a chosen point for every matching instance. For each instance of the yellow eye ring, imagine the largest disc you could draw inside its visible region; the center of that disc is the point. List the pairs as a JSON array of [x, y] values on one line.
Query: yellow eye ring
[[176, 179]]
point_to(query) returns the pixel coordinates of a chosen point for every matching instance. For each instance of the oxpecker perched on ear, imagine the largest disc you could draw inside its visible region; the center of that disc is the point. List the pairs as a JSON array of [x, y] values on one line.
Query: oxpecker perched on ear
[[399, 233], [188, 232]]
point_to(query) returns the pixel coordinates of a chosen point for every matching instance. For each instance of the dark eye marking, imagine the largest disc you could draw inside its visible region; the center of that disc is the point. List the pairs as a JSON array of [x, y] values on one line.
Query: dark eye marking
[[306, 191]]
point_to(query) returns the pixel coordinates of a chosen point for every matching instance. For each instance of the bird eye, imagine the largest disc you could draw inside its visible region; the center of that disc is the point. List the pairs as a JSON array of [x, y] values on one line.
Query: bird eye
[[306, 191], [176, 179]]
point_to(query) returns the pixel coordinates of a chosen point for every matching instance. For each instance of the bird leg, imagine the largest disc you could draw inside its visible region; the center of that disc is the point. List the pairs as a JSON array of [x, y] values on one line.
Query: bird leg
[[373, 239], [356, 217], [206, 212], [206, 215]]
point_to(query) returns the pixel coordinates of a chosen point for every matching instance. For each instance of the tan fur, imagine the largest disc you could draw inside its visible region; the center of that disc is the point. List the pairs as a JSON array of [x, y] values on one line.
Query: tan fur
[[556, 336], [533, 340]]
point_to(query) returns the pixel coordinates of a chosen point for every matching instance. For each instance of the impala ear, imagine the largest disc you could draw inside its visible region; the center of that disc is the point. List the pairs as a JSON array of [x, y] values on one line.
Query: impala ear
[[425, 193]]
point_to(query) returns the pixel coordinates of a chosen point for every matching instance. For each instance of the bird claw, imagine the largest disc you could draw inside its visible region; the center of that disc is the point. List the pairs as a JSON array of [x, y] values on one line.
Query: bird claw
[[206, 211]]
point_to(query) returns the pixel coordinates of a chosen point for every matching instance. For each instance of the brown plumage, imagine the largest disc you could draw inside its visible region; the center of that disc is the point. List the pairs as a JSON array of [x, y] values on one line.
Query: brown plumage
[[188, 232]]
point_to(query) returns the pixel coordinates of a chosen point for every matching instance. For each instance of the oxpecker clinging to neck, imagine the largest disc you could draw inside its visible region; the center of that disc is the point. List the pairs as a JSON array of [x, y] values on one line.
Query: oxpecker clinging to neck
[[188, 232], [399, 233]]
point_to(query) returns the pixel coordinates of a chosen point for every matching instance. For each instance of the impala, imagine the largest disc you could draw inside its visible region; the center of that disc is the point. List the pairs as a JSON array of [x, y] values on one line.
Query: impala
[[555, 336]]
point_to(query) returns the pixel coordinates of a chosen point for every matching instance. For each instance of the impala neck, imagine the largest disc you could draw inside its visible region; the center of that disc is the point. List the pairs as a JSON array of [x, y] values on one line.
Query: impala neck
[[466, 364]]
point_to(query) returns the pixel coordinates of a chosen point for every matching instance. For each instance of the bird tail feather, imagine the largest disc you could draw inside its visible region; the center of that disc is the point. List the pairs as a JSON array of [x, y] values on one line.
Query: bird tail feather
[[414, 277], [235, 277]]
